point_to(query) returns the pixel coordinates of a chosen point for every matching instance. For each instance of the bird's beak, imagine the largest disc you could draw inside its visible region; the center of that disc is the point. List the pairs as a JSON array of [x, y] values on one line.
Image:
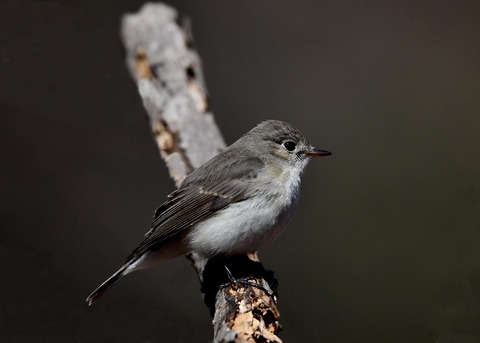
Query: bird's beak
[[315, 152]]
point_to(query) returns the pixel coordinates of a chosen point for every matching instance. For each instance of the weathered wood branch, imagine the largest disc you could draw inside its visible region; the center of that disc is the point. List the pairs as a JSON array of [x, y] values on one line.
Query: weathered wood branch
[[163, 62]]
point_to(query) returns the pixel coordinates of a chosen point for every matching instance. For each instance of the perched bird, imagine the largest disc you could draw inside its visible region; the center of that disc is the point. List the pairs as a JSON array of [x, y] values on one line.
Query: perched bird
[[235, 203]]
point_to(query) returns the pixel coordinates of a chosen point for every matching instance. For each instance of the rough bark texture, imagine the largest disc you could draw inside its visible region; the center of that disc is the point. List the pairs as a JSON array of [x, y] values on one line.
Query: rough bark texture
[[161, 58]]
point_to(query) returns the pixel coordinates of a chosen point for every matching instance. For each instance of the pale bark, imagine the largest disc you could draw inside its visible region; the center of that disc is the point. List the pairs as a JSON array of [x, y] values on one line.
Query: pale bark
[[164, 64]]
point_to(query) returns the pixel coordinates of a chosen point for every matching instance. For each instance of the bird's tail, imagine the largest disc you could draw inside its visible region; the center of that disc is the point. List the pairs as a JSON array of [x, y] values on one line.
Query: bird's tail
[[96, 294]]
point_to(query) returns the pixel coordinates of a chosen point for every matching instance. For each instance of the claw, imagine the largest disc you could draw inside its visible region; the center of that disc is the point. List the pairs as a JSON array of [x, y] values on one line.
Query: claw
[[245, 282]]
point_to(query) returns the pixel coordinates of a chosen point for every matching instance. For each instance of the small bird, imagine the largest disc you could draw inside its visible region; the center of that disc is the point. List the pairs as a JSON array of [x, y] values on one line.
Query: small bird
[[236, 203]]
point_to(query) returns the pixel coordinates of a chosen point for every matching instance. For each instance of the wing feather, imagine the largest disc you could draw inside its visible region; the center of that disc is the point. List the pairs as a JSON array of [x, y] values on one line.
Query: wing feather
[[194, 201]]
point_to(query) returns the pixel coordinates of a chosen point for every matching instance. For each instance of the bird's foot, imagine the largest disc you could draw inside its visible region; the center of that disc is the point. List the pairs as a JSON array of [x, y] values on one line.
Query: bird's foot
[[248, 281]]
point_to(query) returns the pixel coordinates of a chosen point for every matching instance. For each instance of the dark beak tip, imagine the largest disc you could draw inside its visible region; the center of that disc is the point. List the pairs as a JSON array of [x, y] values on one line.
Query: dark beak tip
[[318, 153]]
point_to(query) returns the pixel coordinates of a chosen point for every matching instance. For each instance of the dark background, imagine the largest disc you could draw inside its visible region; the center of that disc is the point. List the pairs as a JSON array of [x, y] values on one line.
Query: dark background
[[386, 244]]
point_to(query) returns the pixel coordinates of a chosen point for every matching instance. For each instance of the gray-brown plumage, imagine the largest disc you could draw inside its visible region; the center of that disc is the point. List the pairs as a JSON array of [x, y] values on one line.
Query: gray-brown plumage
[[234, 204]]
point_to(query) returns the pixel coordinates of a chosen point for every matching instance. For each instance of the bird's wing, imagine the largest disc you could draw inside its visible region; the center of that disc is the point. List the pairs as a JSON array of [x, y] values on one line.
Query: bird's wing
[[195, 201]]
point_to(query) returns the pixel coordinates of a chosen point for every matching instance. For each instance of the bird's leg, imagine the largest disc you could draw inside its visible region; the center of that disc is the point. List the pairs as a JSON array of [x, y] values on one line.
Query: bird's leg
[[245, 282]]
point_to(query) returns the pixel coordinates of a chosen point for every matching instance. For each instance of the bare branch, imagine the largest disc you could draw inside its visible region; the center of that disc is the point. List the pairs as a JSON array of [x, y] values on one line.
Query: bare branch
[[163, 62]]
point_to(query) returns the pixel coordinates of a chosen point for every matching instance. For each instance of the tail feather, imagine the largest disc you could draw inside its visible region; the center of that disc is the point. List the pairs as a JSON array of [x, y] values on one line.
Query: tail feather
[[170, 249], [96, 294]]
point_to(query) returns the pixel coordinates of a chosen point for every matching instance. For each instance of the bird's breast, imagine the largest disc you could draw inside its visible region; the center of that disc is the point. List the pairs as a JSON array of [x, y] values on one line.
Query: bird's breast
[[248, 225]]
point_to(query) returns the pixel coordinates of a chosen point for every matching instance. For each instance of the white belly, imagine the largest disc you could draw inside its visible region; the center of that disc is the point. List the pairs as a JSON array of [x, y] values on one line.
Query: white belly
[[245, 226]]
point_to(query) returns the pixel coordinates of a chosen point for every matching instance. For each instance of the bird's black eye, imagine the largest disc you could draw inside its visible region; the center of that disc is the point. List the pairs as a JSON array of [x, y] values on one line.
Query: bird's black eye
[[289, 145]]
